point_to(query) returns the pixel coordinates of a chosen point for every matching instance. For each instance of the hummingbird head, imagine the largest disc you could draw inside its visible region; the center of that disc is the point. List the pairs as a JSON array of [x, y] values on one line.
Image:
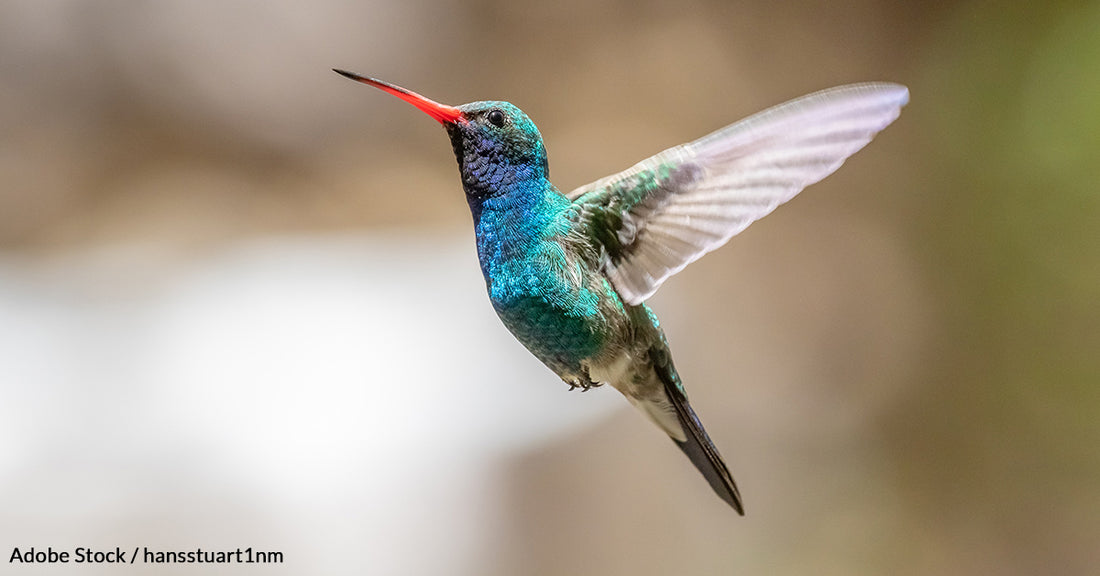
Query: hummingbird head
[[497, 146]]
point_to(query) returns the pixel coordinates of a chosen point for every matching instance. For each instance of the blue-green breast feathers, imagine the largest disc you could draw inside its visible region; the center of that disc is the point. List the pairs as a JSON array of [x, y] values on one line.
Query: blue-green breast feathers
[[545, 287]]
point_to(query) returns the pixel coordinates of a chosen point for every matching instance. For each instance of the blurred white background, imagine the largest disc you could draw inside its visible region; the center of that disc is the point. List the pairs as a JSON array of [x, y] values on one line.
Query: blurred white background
[[321, 397]]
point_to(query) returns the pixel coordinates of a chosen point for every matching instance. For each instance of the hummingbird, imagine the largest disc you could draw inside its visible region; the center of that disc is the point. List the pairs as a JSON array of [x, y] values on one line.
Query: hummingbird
[[568, 274]]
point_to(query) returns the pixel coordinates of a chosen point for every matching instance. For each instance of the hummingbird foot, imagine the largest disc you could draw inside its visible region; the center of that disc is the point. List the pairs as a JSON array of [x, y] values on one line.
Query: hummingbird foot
[[585, 386], [584, 381]]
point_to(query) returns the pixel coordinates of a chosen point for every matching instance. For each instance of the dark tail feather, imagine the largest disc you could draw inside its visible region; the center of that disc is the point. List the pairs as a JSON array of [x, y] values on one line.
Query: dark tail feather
[[701, 451]]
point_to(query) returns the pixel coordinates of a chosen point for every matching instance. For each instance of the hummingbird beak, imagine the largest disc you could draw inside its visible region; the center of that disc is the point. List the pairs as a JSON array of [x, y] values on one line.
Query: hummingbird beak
[[441, 112]]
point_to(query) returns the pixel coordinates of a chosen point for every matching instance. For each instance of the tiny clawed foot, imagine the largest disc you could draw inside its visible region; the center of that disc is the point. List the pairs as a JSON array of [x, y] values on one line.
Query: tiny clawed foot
[[584, 385], [584, 381]]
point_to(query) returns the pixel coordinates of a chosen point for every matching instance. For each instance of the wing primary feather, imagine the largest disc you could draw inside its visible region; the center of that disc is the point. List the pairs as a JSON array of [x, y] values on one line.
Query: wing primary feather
[[672, 208]]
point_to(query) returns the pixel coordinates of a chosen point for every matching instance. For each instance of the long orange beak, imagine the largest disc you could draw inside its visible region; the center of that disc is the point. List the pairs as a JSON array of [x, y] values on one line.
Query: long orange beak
[[441, 112]]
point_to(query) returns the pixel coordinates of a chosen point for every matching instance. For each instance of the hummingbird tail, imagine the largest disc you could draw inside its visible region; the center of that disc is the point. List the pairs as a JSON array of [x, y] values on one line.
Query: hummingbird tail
[[702, 452]]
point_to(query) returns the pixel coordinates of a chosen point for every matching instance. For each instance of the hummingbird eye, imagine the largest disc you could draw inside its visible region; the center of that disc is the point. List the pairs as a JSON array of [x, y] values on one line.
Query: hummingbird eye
[[496, 117]]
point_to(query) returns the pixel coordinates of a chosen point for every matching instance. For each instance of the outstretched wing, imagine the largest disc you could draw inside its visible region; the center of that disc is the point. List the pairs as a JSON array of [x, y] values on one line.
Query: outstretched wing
[[668, 210]]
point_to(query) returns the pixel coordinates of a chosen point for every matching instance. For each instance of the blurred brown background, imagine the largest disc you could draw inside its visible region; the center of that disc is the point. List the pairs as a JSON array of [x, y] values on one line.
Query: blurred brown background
[[900, 366]]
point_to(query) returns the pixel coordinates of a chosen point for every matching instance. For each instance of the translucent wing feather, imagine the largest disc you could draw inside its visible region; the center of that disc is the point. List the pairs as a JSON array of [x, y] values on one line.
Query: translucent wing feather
[[668, 210]]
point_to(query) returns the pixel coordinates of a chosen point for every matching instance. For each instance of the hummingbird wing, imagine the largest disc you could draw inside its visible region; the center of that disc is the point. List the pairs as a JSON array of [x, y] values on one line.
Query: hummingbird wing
[[667, 211]]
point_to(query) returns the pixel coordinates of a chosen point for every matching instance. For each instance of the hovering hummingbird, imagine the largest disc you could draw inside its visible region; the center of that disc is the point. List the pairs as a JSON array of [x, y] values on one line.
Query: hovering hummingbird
[[569, 274]]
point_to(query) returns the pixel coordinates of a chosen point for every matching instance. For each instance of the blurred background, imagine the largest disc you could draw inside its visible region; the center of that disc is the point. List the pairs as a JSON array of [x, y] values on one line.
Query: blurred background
[[240, 305]]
